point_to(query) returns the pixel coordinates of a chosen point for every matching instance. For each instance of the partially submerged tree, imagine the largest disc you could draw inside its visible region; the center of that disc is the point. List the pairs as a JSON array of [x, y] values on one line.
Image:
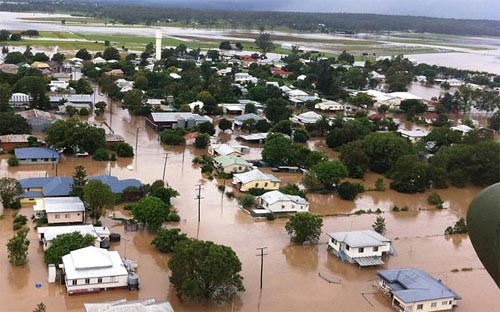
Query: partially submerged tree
[[304, 227], [9, 189], [166, 240], [152, 212], [379, 225], [205, 271], [98, 196], [63, 244], [17, 247], [79, 181]]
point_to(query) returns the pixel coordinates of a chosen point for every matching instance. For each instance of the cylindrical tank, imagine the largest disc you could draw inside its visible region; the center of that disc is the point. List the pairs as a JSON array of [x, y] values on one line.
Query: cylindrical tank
[[105, 243], [114, 237], [133, 281]]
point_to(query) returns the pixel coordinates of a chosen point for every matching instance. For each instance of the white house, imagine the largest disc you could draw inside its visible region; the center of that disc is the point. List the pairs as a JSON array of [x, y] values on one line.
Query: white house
[[60, 209], [245, 78], [239, 120], [255, 179], [413, 135], [47, 233], [91, 269], [462, 128], [306, 118], [122, 305], [362, 247], [18, 100], [275, 201], [175, 76], [223, 150], [414, 290], [330, 106]]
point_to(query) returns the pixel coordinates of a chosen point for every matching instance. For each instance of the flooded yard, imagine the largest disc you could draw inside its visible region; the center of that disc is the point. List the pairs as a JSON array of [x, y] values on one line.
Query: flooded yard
[[295, 277]]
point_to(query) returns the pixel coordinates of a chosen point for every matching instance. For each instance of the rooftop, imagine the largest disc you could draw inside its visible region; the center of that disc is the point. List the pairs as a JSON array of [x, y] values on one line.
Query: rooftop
[[228, 160], [244, 117], [92, 262], [176, 116], [255, 175], [14, 138], [51, 232], [36, 113], [358, 239], [141, 305], [63, 204], [52, 186], [116, 185], [276, 196], [36, 152], [224, 149], [414, 285]]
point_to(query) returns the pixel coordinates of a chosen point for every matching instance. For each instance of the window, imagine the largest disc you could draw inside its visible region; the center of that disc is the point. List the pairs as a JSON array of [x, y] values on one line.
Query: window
[[434, 304], [347, 247], [420, 306], [57, 216], [67, 215], [239, 168], [99, 280], [265, 184], [450, 302], [34, 160], [256, 184], [444, 303], [45, 159], [73, 282], [87, 281], [375, 248], [361, 250]]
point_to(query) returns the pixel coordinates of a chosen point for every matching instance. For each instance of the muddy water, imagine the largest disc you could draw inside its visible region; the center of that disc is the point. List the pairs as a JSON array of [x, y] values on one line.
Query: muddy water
[[292, 279]]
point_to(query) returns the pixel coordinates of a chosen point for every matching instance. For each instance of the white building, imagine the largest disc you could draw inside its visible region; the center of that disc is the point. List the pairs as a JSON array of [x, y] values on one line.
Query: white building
[[245, 78], [47, 233], [329, 106], [275, 201], [91, 269], [60, 209], [413, 290], [362, 247], [122, 305], [413, 135], [306, 118], [255, 179], [231, 164], [19, 100]]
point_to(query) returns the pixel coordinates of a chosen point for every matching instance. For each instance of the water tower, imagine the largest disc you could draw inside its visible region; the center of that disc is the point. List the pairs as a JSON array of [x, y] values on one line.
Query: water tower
[[158, 45]]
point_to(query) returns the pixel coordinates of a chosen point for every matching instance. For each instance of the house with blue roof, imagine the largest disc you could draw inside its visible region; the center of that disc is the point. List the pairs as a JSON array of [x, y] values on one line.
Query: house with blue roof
[[36, 155], [416, 291], [116, 185]]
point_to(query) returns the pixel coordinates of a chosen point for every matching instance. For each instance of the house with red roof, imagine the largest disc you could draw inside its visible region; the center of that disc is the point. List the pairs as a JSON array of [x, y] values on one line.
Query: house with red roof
[[275, 71]]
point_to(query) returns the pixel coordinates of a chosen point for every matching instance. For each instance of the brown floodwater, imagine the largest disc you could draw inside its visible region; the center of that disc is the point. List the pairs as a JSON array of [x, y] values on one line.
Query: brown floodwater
[[292, 279]]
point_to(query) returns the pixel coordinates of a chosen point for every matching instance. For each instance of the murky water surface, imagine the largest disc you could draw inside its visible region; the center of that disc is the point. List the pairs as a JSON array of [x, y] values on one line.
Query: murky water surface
[[292, 279]]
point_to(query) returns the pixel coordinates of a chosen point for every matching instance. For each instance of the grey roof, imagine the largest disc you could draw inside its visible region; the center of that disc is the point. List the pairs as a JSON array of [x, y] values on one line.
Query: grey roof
[[228, 160], [51, 232], [122, 305], [276, 196], [52, 186], [369, 261], [75, 98], [92, 262], [63, 204], [116, 185], [255, 175], [244, 117], [175, 116], [254, 136], [35, 152], [224, 149], [357, 239], [415, 285]]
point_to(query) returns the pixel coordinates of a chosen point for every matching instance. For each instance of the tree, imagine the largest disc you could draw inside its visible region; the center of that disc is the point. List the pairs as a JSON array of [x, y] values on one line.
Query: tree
[[410, 175], [225, 124], [304, 227], [494, 121], [278, 150], [83, 54], [324, 176], [203, 270], [300, 135], [163, 193], [277, 110], [58, 57], [349, 191], [141, 82], [362, 99], [17, 247], [133, 101], [28, 54], [40, 57], [209, 102], [379, 225], [225, 45], [14, 58], [36, 87], [384, 149], [5, 94], [97, 195], [262, 126], [202, 141], [152, 212], [206, 127], [41, 307], [293, 189], [63, 244], [75, 136], [264, 42], [213, 55], [111, 53], [350, 131], [345, 57], [123, 149], [100, 107], [79, 181], [444, 136], [249, 125], [166, 240], [412, 107], [10, 188], [283, 126], [247, 200], [354, 158], [250, 108], [173, 137]]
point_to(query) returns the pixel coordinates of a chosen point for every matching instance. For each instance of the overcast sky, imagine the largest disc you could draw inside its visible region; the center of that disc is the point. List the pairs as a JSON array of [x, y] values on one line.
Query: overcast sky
[[473, 9]]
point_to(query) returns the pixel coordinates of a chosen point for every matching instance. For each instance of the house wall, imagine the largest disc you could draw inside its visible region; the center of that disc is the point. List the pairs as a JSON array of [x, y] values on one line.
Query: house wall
[[267, 185], [236, 168], [65, 217], [38, 161], [440, 305], [285, 206], [10, 146], [107, 282], [355, 253]]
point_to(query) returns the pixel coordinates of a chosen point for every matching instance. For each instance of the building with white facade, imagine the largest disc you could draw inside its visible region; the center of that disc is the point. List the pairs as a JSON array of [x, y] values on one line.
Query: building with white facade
[[275, 201]]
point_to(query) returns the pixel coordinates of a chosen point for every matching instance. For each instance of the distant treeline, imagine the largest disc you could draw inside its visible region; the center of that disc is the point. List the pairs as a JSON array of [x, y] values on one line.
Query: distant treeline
[[324, 22]]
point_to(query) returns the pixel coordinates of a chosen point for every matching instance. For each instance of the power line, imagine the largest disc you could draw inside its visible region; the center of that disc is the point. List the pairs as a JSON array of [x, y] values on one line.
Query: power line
[[261, 255], [199, 198]]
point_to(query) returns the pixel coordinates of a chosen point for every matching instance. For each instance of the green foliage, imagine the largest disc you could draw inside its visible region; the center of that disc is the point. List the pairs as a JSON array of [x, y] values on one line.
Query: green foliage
[[348, 132], [123, 149], [5, 94], [278, 150], [164, 193], [36, 87], [111, 53], [277, 110], [17, 248], [11, 123], [264, 42], [283, 126], [379, 225], [9, 189], [304, 227], [13, 161], [205, 271], [435, 199], [133, 101], [19, 221], [293, 189], [494, 121], [101, 154], [270, 216], [410, 175], [172, 137], [202, 141], [206, 127], [412, 107], [75, 135], [225, 124], [166, 240], [396, 208], [349, 191], [354, 158], [460, 227], [97, 195], [384, 149], [79, 181], [152, 212], [324, 176], [257, 191], [63, 244], [173, 217], [246, 200], [379, 185], [300, 136], [262, 126]]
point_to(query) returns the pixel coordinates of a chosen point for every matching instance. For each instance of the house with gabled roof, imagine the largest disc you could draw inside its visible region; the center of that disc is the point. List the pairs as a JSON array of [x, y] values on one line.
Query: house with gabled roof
[[255, 179], [60, 209], [47, 233], [276, 202], [36, 155], [362, 247], [415, 290], [231, 164]]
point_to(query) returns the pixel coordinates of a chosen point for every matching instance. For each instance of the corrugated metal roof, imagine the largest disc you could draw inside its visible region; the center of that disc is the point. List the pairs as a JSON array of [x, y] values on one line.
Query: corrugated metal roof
[[415, 285], [63, 204], [36, 152], [228, 160], [369, 261], [175, 116], [255, 175], [91, 262], [277, 196], [116, 185], [142, 305], [359, 239], [244, 117], [51, 232]]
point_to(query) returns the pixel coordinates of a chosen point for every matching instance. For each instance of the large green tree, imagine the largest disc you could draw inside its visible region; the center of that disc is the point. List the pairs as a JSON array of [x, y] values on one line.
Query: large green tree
[[152, 212], [166, 239], [11, 123], [304, 227], [384, 149], [264, 42], [98, 196], [63, 244], [205, 271], [5, 94], [354, 158], [133, 101], [324, 176], [410, 175], [277, 110], [278, 150], [74, 135], [79, 181], [17, 247], [37, 88], [9, 189]]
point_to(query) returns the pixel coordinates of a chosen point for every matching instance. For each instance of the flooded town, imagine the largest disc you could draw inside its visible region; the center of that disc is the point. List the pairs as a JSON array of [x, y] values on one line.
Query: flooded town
[[194, 168]]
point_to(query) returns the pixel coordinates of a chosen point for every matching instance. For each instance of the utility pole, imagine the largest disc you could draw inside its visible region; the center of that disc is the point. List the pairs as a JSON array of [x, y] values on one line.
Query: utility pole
[[199, 198], [136, 139], [261, 255], [165, 166]]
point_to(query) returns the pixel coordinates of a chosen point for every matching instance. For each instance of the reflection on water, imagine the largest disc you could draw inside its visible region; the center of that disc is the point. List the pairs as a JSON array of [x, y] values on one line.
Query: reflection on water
[[291, 273]]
